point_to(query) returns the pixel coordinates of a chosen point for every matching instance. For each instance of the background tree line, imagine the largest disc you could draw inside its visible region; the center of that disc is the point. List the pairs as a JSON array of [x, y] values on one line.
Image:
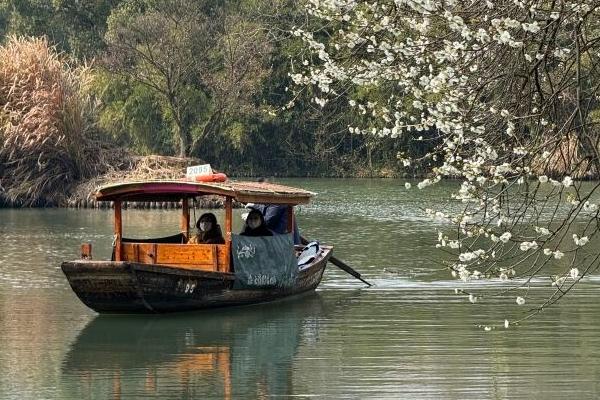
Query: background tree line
[[206, 79]]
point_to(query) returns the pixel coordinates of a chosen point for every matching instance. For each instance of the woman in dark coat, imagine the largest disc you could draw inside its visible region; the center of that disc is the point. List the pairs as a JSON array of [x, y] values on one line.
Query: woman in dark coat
[[255, 225], [209, 231]]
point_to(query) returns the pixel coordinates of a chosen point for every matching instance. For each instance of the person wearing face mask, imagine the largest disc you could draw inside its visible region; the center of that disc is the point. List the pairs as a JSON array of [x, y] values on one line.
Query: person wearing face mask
[[276, 216], [255, 225], [209, 231]]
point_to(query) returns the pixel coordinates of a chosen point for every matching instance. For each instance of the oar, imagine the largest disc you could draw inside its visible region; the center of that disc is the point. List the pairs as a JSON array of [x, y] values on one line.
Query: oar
[[341, 265]]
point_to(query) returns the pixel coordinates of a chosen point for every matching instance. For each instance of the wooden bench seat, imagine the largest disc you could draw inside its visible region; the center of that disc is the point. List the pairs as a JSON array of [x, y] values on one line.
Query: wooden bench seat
[[205, 257]]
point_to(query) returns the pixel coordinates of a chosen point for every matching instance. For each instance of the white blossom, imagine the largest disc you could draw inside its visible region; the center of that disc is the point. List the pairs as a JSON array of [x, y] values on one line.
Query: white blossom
[[590, 207], [470, 256], [533, 27], [574, 272], [320, 101], [524, 246], [567, 181], [454, 244], [505, 237], [558, 254], [459, 80], [580, 241], [558, 281]]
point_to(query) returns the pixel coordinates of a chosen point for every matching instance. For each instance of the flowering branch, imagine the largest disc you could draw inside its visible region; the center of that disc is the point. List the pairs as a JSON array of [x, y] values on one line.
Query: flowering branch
[[506, 95]]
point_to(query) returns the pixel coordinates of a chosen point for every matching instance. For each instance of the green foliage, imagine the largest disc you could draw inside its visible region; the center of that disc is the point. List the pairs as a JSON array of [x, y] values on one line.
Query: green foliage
[[132, 115], [73, 26], [207, 79], [4, 16], [165, 46]]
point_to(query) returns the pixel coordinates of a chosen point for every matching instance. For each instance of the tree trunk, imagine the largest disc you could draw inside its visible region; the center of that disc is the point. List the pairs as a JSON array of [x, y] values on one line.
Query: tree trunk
[[210, 127], [181, 131], [184, 140]]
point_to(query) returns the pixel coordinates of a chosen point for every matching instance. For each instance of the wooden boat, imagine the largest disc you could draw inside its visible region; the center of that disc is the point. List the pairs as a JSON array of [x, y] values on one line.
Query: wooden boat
[[167, 274]]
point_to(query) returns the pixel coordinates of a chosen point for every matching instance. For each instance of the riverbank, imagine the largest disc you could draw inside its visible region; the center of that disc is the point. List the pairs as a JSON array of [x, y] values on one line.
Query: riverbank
[[80, 194]]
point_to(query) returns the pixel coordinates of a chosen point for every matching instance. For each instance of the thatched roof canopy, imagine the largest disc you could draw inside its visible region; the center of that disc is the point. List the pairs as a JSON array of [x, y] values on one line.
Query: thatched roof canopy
[[174, 190]]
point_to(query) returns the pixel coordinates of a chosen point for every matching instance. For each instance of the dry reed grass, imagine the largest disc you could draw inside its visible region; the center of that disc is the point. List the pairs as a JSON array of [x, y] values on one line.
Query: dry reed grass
[[47, 129], [138, 169], [567, 157]]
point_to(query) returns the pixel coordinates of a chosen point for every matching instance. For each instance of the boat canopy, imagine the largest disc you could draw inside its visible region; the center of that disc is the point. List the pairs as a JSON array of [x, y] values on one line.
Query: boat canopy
[[174, 190]]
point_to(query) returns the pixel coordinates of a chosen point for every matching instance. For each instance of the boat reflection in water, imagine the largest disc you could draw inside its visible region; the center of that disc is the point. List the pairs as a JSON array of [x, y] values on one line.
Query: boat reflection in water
[[240, 352]]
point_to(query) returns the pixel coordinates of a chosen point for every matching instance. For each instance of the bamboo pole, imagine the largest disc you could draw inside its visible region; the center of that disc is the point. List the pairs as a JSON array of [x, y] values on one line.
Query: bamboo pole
[[228, 228], [118, 230], [185, 218]]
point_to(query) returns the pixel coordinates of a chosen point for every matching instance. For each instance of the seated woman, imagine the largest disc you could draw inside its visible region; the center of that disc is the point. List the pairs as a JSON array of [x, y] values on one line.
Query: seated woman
[[209, 231], [255, 225]]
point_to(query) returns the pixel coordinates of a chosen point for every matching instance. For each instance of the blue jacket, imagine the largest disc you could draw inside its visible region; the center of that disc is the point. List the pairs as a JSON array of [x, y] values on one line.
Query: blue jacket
[[276, 219]]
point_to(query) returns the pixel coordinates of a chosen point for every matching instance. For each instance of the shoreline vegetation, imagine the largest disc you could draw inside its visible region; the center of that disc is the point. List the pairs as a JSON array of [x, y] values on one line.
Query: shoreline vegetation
[[81, 195], [137, 168], [60, 137], [56, 144]]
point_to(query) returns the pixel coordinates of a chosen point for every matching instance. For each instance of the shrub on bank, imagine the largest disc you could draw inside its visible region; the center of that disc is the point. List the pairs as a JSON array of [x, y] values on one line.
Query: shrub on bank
[[47, 130]]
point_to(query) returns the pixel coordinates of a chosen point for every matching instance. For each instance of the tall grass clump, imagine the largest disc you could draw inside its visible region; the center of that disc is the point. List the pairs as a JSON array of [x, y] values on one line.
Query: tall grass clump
[[48, 137]]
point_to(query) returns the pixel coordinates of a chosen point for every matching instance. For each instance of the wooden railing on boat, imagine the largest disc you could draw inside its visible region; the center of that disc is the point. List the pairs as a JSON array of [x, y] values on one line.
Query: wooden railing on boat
[[204, 257]]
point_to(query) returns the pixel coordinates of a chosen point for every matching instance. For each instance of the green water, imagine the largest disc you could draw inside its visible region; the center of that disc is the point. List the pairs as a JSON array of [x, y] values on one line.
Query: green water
[[408, 337]]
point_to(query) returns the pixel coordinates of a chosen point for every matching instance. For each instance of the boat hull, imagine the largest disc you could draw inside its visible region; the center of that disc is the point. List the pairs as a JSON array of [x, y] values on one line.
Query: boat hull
[[128, 287]]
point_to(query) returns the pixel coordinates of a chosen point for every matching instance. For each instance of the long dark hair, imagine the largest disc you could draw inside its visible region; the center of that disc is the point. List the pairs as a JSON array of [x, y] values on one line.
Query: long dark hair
[[261, 230], [214, 234]]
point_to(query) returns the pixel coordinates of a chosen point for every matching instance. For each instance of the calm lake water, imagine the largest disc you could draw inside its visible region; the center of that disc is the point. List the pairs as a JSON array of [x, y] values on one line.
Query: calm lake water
[[409, 336]]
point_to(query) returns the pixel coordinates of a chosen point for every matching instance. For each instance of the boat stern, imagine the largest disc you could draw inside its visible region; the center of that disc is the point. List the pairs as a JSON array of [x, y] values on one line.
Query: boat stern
[[104, 286]]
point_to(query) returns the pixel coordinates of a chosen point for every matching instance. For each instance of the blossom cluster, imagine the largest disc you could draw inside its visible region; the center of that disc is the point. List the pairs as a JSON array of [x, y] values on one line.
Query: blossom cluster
[[497, 87]]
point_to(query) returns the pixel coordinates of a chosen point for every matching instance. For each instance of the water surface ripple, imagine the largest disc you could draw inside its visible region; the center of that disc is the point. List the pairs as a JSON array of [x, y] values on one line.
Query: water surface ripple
[[408, 336]]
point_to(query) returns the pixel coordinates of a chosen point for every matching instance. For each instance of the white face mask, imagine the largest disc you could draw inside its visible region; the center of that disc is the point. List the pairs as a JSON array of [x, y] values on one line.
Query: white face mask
[[205, 226], [254, 223]]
